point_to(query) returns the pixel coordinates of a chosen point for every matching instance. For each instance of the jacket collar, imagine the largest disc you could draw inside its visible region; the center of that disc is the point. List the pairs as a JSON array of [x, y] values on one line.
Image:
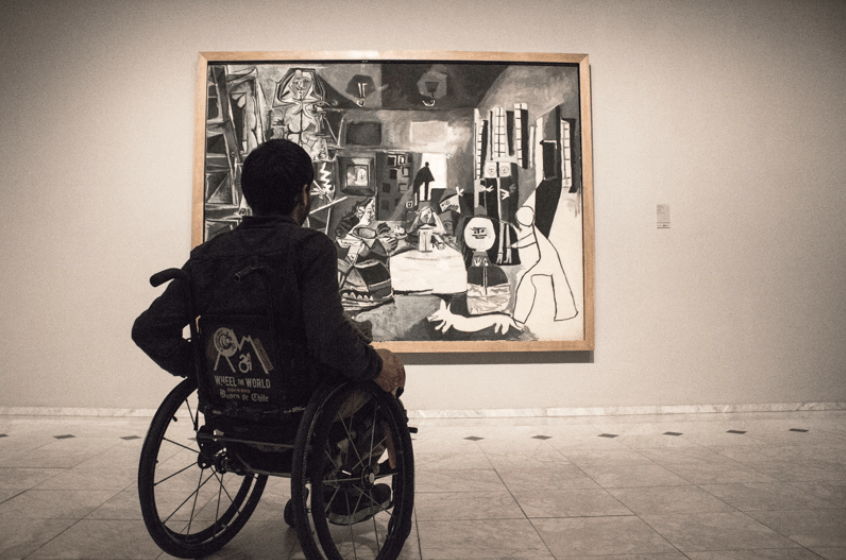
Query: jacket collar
[[266, 221]]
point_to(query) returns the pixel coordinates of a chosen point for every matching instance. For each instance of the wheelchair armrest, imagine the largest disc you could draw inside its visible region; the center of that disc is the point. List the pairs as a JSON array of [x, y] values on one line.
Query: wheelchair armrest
[[160, 278]]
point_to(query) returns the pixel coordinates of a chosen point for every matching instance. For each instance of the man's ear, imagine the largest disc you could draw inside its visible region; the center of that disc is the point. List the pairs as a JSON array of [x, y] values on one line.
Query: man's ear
[[304, 194]]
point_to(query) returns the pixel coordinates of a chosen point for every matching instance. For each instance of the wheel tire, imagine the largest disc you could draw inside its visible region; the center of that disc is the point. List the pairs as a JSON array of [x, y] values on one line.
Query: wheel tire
[[289, 514], [190, 507], [385, 531]]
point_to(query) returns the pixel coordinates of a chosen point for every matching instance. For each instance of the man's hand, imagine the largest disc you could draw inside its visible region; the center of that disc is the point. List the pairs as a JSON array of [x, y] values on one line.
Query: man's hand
[[392, 375]]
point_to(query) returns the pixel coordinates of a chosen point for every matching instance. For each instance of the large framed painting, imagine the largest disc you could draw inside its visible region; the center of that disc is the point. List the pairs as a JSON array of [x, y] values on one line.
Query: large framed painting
[[456, 186]]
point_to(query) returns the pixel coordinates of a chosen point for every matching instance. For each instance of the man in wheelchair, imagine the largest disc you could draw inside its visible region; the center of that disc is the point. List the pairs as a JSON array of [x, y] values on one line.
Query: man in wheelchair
[[265, 299]]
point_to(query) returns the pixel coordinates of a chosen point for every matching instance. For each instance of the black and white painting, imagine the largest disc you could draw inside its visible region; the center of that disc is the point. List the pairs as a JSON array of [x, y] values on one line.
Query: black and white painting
[[454, 190]]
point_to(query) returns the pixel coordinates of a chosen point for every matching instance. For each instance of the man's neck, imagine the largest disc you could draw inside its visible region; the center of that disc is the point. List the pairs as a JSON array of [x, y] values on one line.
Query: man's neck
[[292, 216]]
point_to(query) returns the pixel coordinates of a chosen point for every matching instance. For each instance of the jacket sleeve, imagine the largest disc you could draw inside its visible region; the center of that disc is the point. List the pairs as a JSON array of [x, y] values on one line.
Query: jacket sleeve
[[158, 332], [332, 340]]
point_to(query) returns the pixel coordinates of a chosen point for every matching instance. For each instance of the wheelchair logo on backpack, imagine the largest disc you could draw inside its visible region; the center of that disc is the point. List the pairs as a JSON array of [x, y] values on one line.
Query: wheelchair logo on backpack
[[227, 345]]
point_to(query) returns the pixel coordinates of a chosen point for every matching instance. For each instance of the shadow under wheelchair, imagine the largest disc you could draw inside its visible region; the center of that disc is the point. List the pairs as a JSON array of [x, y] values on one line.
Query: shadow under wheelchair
[[267, 535]]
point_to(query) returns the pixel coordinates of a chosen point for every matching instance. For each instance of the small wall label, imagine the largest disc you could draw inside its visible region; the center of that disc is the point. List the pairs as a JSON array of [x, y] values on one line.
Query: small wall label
[[663, 216]]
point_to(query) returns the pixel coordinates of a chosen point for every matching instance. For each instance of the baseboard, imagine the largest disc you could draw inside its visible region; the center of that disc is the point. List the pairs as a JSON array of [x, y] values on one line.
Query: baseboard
[[482, 413], [64, 411], [627, 410]]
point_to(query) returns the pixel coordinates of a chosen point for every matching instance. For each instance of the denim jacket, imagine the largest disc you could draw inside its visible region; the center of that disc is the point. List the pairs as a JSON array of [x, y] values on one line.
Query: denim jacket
[[298, 268]]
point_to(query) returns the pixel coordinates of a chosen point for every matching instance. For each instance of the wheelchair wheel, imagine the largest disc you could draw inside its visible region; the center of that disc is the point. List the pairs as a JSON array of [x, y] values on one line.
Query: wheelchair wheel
[[352, 479], [192, 504]]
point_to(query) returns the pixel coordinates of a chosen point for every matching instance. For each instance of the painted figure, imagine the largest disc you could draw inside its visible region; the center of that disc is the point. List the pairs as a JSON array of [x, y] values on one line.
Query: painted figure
[[424, 178], [363, 250], [540, 259], [298, 111]]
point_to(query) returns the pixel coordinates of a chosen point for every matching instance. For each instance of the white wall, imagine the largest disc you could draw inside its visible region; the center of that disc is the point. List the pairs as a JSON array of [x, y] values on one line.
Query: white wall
[[732, 112]]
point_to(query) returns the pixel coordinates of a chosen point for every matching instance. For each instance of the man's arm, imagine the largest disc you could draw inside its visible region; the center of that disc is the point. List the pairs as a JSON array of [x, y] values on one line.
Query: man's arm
[[158, 332], [332, 340]]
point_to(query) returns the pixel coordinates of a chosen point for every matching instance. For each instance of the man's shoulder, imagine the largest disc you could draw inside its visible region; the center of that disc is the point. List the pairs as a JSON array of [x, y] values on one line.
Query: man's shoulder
[[315, 236], [263, 238]]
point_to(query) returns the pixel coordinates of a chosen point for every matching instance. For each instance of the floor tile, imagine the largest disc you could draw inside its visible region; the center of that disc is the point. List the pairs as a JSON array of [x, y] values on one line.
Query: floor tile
[[801, 471], [659, 440], [124, 505], [743, 454], [26, 477], [784, 436], [451, 460], [467, 505], [124, 455], [622, 476], [831, 553], [59, 504], [81, 478], [717, 473], [722, 438], [477, 539], [7, 494], [584, 443], [669, 499], [646, 556], [457, 480], [50, 457], [694, 454], [19, 537], [834, 492], [570, 503], [758, 554], [547, 477], [766, 496], [716, 531], [808, 528], [817, 452], [508, 456], [101, 539], [591, 456], [568, 537]]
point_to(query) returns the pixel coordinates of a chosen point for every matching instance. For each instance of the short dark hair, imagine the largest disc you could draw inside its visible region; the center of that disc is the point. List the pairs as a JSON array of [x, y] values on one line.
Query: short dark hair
[[273, 176]]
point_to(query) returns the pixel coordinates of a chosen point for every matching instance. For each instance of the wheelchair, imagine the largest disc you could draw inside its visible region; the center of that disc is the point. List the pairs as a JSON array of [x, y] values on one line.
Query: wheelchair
[[204, 466]]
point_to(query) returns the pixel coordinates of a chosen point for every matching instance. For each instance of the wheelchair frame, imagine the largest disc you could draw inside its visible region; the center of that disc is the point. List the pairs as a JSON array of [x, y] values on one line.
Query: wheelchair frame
[[198, 485]]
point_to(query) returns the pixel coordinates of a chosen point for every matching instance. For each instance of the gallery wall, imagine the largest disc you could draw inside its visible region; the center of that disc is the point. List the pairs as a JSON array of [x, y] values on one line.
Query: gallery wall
[[731, 112]]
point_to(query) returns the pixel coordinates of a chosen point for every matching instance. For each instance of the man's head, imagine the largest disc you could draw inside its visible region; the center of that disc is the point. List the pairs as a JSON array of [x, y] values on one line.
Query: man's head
[[274, 175]]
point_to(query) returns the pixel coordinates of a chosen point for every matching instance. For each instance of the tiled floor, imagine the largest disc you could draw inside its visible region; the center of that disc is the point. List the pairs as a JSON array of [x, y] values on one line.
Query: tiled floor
[[706, 486]]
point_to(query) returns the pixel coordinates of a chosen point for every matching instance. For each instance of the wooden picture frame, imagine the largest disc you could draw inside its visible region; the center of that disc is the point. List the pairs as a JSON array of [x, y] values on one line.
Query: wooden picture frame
[[462, 182]]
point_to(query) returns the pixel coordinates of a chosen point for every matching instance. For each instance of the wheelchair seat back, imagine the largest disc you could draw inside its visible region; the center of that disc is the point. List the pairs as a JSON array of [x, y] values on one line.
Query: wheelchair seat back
[[243, 373], [247, 370]]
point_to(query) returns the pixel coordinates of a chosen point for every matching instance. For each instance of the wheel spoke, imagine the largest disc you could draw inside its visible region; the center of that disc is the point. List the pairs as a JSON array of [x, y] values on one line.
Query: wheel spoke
[[352, 536], [195, 416], [376, 535], [369, 454], [327, 506], [180, 471], [331, 460], [220, 490], [352, 441], [224, 488], [382, 475], [191, 449], [194, 505], [339, 480], [373, 431], [193, 494]]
